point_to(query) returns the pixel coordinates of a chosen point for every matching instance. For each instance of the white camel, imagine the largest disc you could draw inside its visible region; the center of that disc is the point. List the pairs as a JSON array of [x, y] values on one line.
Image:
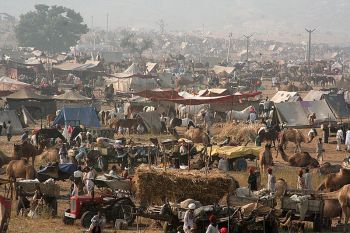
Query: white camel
[[238, 115]]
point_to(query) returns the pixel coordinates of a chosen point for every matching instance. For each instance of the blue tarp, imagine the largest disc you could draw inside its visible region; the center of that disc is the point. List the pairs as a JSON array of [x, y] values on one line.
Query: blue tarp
[[86, 116]]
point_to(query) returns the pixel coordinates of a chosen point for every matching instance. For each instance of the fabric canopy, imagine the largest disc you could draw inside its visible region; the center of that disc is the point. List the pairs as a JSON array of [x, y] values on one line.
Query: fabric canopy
[[71, 95], [26, 94], [223, 69], [173, 96], [86, 116], [69, 66], [9, 84], [132, 71]]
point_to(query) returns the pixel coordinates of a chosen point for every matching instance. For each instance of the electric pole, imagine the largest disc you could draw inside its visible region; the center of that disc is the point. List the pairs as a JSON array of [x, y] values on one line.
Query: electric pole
[[309, 50], [107, 22], [229, 47], [248, 38]]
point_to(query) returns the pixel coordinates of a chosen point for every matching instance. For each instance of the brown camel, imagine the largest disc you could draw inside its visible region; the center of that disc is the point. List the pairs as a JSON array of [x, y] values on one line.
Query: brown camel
[[292, 135], [302, 159], [327, 168], [26, 150], [130, 124], [343, 197], [49, 155], [335, 181], [265, 158], [197, 135], [20, 169]]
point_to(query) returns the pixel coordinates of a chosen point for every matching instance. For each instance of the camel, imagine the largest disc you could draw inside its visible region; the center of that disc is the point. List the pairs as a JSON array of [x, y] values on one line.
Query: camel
[[328, 168], [302, 159], [335, 181], [197, 135], [292, 135], [49, 156], [269, 135], [238, 115], [124, 123], [27, 150], [20, 169], [265, 159], [343, 197]]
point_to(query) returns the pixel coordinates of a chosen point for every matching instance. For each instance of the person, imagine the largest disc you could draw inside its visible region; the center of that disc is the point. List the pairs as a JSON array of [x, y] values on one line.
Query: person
[[89, 177], [24, 136], [223, 230], [252, 180], [266, 107], [339, 137], [325, 130], [189, 218], [140, 129], [81, 154], [301, 181], [63, 154], [320, 150], [113, 172], [183, 149], [307, 178], [98, 222], [163, 122], [38, 195], [347, 140], [271, 180], [312, 118], [213, 226], [252, 116], [9, 131], [125, 173]]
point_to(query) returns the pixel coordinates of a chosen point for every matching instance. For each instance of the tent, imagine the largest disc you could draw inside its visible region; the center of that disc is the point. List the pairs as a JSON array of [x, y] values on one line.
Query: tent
[[295, 114], [9, 84], [283, 96], [10, 115], [152, 121], [315, 95], [223, 69], [86, 116], [71, 95], [338, 106]]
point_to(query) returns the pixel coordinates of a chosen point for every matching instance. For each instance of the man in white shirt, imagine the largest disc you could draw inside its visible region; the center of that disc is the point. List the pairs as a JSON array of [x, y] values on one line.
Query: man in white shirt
[[339, 138], [307, 178], [189, 218], [271, 181]]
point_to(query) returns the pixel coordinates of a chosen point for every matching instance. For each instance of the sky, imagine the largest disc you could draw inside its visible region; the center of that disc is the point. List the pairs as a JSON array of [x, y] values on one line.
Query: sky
[[267, 19]]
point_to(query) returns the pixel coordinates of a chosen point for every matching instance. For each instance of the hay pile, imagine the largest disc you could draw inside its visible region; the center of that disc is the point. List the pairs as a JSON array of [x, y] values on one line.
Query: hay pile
[[240, 132], [152, 185]]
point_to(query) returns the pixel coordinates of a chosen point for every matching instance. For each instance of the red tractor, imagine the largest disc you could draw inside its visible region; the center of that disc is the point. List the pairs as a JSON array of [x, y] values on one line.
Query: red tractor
[[85, 207]]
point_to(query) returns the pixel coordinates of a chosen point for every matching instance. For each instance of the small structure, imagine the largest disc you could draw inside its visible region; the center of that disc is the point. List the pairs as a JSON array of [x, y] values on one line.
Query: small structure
[[10, 115], [72, 99], [284, 96], [86, 116]]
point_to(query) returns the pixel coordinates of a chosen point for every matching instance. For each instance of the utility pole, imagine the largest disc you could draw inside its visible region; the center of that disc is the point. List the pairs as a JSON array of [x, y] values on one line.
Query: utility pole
[[248, 38], [309, 50], [229, 46]]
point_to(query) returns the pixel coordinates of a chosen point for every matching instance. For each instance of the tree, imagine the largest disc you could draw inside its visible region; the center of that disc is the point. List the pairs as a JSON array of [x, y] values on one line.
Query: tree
[[135, 45], [52, 29]]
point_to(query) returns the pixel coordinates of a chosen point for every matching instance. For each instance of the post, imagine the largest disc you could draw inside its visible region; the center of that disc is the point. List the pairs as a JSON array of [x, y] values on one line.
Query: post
[[309, 51], [248, 38], [107, 22], [229, 47]]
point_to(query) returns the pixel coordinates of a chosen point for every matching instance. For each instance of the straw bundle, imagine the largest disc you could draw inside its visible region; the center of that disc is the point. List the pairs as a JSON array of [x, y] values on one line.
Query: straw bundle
[[152, 185], [241, 132]]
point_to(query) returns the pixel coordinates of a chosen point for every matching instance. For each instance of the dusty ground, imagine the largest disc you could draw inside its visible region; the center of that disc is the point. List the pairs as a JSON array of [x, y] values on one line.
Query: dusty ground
[[49, 225]]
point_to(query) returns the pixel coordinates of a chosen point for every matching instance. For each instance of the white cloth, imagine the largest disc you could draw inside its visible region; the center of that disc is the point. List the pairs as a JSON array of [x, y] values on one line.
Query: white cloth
[[188, 221], [97, 221], [89, 183], [339, 134], [212, 229], [78, 174], [271, 182], [307, 178], [347, 138]]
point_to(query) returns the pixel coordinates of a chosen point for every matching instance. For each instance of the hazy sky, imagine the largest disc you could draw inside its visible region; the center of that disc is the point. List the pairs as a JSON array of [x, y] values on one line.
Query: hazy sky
[[269, 19]]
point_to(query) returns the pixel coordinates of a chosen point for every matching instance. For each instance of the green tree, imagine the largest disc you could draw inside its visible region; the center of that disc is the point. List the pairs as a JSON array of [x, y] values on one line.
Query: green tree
[[52, 29], [135, 45]]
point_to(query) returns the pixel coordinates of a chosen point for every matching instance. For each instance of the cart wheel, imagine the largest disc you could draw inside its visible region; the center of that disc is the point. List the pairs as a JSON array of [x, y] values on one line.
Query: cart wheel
[[86, 219], [125, 209], [66, 220]]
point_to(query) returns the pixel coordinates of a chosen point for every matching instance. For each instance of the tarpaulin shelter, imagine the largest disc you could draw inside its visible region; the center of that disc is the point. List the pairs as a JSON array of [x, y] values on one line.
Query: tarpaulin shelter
[[295, 114], [10, 115], [39, 106], [71, 95], [315, 95], [86, 116], [283, 96], [338, 106], [173, 96], [73, 66], [151, 121], [9, 84], [223, 69]]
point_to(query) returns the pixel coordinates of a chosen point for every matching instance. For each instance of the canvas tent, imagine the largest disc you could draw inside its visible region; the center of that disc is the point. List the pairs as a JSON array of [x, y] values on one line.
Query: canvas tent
[[151, 121], [9, 84], [86, 116], [223, 69], [315, 95], [295, 114], [338, 106], [283, 96], [10, 115], [71, 95]]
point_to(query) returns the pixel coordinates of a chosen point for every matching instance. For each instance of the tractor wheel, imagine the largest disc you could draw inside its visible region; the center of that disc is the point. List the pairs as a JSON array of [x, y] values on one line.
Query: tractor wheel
[[124, 209], [66, 220], [86, 218]]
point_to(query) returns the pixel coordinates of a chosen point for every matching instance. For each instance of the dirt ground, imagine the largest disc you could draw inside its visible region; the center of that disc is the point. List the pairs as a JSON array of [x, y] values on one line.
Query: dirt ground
[[20, 224]]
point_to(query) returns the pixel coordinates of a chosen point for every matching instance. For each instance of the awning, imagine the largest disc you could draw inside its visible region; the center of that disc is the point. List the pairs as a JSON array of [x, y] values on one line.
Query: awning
[[69, 66]]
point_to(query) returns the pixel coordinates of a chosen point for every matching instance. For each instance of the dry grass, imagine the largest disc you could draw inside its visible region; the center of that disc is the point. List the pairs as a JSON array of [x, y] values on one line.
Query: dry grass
[[238, 132]]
